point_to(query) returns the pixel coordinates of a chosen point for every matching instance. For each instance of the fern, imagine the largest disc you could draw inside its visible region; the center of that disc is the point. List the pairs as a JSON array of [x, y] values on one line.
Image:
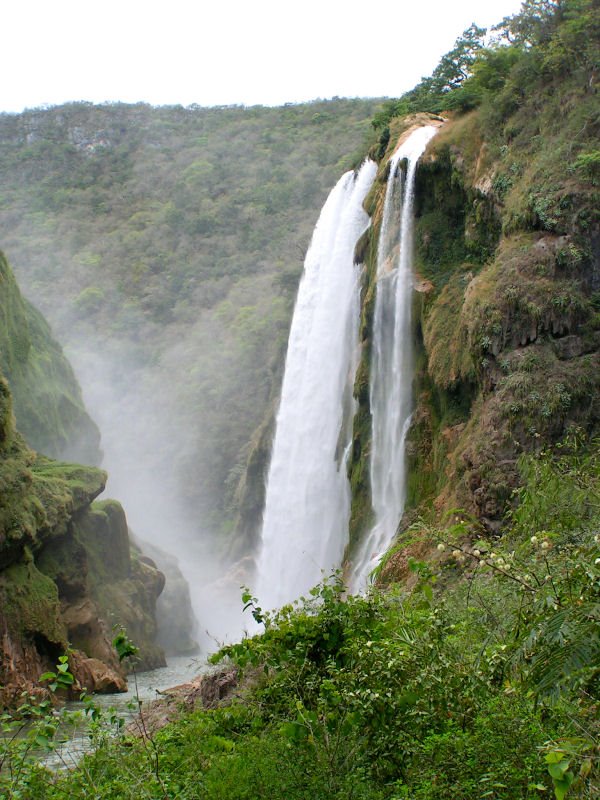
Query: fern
[[562, 652]]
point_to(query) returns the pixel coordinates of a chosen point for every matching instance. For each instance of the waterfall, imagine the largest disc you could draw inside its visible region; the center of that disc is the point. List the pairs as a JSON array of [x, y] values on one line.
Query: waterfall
[[391, 358], [307, 505]]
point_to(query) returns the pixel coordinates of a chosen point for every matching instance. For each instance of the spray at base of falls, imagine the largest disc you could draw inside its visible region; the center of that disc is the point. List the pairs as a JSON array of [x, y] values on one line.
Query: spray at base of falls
[[307, 505], [392, 362]]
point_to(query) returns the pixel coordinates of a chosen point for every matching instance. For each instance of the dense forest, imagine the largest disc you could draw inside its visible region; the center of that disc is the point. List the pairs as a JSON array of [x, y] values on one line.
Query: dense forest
[[470, 669], [147, 235]]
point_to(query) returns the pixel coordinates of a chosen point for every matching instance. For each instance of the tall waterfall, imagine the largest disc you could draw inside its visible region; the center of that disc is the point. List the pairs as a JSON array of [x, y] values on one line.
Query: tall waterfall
[[305, 524], [392, 364]]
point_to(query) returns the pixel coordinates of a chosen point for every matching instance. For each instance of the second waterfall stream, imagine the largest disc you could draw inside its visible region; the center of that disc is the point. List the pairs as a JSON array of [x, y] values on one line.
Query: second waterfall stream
[[391, 356]]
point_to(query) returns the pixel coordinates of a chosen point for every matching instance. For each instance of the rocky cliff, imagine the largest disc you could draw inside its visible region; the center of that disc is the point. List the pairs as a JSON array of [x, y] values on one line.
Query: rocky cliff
[[507, 283], [506, 322], [67, 572]]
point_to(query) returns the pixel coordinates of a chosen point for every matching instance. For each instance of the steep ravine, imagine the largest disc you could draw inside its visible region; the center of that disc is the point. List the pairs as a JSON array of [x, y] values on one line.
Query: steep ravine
[[68, 572]]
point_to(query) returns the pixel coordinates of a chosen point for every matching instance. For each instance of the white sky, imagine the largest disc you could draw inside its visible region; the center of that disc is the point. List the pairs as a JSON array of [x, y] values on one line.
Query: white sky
[[220, 52]]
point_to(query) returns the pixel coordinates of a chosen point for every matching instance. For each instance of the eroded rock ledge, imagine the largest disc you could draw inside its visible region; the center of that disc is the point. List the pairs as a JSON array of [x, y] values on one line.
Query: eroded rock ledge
[[208, 690]]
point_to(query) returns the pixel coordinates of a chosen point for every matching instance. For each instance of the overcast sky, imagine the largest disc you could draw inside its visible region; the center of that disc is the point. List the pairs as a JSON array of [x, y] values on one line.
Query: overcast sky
[[225, 52]]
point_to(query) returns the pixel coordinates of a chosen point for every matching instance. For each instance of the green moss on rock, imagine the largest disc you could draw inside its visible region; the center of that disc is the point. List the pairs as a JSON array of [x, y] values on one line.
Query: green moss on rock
[[30, 604], [510, 349], [124, 584], [65, 566]]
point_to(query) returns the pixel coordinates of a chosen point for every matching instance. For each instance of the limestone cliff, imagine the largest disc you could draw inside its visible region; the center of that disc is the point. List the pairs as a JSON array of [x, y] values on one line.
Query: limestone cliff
[[510, 329]]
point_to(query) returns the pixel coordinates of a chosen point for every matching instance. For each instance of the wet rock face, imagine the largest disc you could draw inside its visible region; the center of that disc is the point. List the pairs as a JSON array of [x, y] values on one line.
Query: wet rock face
[[88, 632], [174, 615], [21, 664], [95, 675], [32, 633]]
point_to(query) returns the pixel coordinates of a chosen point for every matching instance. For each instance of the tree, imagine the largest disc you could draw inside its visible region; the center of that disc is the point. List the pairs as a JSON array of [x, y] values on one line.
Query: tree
[[534, 24], [450, 74], [455, 67]]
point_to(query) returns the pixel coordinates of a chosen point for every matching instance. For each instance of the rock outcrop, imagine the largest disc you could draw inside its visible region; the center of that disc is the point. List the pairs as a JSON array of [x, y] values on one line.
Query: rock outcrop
[[67, 571], [506, 320], [174, 614], [212, 689]]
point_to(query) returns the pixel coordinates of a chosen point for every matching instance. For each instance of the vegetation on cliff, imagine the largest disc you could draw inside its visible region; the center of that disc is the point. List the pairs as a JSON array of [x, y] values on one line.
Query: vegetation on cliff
[[46, 396], [508, 251], [165, 246], [66, 574]]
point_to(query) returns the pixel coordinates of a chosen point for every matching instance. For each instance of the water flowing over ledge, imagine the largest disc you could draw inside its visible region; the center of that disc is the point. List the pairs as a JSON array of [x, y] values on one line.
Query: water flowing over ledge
[[305, 524], [392, 358]]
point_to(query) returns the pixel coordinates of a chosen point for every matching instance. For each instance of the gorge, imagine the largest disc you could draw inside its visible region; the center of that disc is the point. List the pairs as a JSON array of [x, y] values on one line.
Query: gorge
[[432, 432]]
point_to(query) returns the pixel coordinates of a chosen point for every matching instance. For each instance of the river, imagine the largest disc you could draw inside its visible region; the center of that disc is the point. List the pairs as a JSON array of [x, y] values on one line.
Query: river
[[145, 686]]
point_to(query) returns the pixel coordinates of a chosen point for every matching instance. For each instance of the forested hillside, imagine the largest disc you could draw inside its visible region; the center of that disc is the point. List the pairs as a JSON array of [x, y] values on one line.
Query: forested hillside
[[47, 397], [470, 669], [166, 245]]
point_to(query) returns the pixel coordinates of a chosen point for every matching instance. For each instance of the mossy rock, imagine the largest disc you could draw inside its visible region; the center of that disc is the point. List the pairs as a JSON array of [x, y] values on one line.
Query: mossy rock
[[507, 331], [66, 570], [38, 497], [30, 604], [125, 585]]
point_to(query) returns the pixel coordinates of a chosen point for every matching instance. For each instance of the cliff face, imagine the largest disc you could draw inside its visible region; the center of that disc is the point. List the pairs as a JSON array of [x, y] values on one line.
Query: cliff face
[[66, 571], [47, 398], [67, 575], [507, 329]]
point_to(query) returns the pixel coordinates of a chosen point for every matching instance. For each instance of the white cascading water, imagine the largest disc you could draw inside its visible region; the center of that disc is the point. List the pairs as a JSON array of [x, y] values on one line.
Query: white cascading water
[[307, 505], [391, 366]]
